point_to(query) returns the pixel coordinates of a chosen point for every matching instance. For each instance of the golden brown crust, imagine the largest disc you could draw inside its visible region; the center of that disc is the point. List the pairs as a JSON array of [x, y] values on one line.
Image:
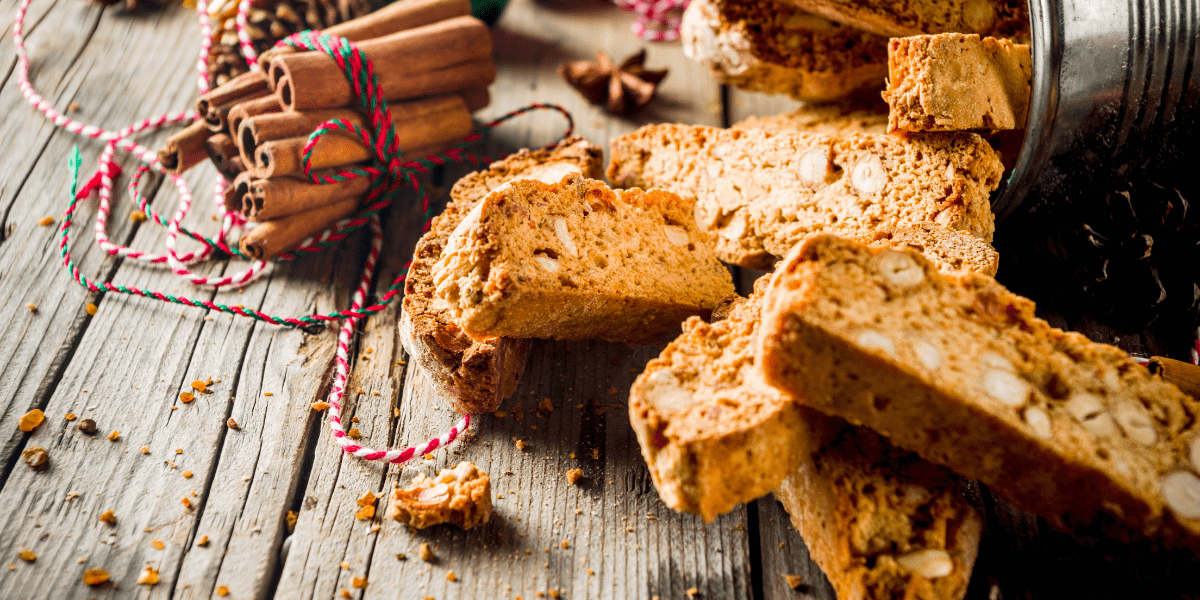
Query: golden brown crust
[[773, 48], [759, 193], [957, 82], [845, 118], [958, 369], [474, 377], [997, 18], [575, 260]]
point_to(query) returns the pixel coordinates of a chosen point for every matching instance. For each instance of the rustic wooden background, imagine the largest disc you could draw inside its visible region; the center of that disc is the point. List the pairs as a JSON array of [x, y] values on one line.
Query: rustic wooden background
[[609, 537]]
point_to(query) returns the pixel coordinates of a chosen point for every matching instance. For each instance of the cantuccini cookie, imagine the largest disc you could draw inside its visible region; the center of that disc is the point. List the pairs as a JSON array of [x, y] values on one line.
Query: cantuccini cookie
[[759, 193], [475, 376], [772, 47], [575, 260], [957, 82], [948, 249], [712, 434], [958, 369], [879, 521], [836, 118], [997, 18]]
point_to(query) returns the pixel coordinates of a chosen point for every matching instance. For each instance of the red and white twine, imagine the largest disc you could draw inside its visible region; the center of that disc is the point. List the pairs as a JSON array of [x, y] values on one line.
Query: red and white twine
[[231, 222]]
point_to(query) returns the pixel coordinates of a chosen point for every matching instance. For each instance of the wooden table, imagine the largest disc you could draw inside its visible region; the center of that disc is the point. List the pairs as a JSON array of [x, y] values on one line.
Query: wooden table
[[124, 367]]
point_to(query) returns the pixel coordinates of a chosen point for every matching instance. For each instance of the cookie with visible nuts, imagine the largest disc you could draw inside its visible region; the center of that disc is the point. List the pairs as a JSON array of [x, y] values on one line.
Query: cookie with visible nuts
[[862, 113], [948, 249], [759, 193], [958, 369], [713, 435], [772, 47], [475, 376], [575, 260], [999, 18], [879, 521]]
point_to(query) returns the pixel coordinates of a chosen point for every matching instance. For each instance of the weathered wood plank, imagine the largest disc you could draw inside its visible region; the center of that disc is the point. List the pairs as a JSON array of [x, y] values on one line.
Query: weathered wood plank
[[784, 553], [743, 104]]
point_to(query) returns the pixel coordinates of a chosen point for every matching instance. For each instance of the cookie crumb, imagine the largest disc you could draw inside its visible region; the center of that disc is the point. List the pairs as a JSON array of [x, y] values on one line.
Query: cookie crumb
[[222, 590], [566, 544], [199, 386], [137, 216], [693, 592], [187, 474], [156, 544], [91, 309], [521, 444], [27, 555], [358, 582], [31, 306], [30, 420], [425, 552], [107, 517], [545, 406], [320, 405], [794, 581], [353, 433], [203, 541], [46, 221], [230, 423], [186, 503], [149, 576], [292, 516], [574, 475], [95, 577], [37, 458], [450, 576], [69, 416], [115, 435]]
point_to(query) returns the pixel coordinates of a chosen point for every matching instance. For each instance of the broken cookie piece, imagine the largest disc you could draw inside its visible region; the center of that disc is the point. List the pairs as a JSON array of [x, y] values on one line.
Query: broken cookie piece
[[461, 496]]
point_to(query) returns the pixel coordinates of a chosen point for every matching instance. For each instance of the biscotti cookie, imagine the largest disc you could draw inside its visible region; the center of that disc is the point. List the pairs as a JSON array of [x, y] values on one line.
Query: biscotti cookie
[[772, 47], [948, 249], [880, 522], [837, 119], [576, 260], [957, 82], [958, 369], [475, 376], [759, 193], [461, 496], [712, 434], [997, 18]]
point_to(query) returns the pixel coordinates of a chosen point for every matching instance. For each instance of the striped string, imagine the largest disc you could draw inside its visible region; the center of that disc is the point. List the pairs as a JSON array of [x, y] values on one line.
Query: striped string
[[390, 172]]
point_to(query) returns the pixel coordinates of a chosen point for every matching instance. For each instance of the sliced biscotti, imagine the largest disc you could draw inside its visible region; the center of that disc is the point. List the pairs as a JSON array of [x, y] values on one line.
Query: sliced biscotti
[[834, 118], [957, 82], [759, 193], [998, 18], [880, 522], [948, 249], [958, 369], [576, 260], [475, 376], [713, 435], [772, 47]]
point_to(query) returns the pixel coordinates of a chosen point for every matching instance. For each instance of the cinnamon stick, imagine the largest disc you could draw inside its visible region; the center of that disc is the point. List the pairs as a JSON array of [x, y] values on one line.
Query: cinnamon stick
[[185, 149], [275, 142], [251, 108], [235, 194], [217, 118], [278, 197], [433, 59], [397, 16], [221, 150], [240, 88], [270, 238]]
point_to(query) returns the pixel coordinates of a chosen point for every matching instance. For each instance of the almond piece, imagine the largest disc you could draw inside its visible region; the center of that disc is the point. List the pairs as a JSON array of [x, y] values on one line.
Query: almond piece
[[898, 269], [868, 176], [1181, 492], [564, 236], [1131, 415], [1006, 387], [930, 563]]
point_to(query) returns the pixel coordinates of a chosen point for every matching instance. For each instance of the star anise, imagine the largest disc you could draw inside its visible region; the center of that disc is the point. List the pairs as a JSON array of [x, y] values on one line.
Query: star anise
[[622, 90]]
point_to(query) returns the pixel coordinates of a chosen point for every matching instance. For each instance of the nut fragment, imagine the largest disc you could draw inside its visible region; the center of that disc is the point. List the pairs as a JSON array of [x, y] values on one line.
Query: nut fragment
[[1181, 491], [545, 262], [564, 236], [930, 563], [1089, 410], [814, 165], [868, 176], [676, 235], [877, 341], [1131, 415], [898, 269], [928, 355], [1006, 387], [30, 420], [995, 361], [37, 458], [1039, 422], [87, 426]]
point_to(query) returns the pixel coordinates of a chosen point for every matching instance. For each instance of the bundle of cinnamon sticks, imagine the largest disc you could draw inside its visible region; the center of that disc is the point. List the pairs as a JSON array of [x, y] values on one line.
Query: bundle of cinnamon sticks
[[433, 63]]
